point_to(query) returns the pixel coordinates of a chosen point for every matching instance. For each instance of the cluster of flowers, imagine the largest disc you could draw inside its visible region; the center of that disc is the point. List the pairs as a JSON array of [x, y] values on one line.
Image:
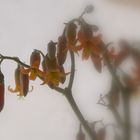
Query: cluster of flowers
[[77, 36]]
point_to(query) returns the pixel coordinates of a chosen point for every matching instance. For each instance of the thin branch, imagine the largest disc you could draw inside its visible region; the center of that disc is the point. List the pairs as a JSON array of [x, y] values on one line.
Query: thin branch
[[75, 108], [72, 70], [17, 60], [125, 97], [112, 108]]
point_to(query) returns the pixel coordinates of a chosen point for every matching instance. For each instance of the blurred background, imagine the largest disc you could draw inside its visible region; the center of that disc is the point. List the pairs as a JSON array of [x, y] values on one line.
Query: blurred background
[[30, 24]]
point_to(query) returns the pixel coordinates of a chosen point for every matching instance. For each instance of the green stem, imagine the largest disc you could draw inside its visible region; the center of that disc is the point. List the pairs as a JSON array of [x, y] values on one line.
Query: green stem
[[72, 70]]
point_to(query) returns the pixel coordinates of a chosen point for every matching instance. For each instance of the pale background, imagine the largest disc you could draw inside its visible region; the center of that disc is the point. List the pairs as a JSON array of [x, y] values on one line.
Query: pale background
[[29, 24]]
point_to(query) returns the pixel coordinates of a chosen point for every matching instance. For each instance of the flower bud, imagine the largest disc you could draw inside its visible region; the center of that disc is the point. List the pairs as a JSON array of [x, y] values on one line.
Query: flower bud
[[62, 74], [62, 50], [24, 83], [17, 81], [2, 90], [34, 62], [71, 33], [51, 50], [89, 9], [86, 32], [35, 59], [50, 64]]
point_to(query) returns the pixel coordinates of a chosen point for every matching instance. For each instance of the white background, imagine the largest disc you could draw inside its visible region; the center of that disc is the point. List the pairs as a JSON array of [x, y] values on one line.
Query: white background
[[30, 24]]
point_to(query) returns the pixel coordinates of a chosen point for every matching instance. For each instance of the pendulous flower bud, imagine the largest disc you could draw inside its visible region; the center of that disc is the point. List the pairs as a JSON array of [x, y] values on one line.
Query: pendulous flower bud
[[2, 90], [24, 83], [62, 50]]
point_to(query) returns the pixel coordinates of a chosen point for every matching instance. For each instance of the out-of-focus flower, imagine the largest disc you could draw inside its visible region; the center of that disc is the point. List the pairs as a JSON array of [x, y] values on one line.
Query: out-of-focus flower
[[116, 58], [89, 43], [70, 33], [2, 91]]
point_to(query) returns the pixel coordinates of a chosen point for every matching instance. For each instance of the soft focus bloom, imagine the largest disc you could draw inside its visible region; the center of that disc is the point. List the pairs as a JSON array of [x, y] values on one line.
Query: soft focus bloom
[[71, 33], [89, 43]]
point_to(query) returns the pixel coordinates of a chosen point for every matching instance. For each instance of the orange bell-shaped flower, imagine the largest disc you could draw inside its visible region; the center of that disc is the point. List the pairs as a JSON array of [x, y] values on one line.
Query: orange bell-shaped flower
[[17, 81], [24, 82], [21, 81]]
